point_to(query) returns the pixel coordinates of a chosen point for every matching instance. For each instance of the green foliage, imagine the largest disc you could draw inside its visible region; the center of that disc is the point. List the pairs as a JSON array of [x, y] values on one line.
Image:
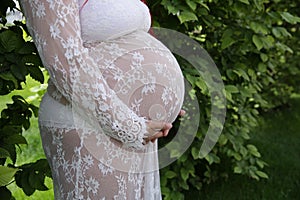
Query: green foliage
[[255, 44], [18, 59], [6, 175], [278, 139], [32, 176], [13, 119]]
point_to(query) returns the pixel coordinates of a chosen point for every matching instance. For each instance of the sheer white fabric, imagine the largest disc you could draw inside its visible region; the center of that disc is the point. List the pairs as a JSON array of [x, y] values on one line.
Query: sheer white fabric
[[107, 77], [116, 18]]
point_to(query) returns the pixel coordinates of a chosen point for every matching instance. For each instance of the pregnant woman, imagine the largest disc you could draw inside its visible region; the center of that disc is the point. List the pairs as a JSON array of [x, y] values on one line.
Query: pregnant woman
[[113, 88]]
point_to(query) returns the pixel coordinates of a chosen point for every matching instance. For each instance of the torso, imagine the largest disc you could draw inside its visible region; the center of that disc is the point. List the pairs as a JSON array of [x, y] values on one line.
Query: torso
[[140, 69]]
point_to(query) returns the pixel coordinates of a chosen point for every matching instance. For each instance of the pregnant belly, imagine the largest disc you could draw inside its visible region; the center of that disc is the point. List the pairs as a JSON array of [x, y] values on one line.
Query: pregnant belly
[[143, 73]]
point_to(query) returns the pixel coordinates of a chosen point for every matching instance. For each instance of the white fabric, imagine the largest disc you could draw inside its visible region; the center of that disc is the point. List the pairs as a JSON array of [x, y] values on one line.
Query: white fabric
[[105, 82], [109, 19]]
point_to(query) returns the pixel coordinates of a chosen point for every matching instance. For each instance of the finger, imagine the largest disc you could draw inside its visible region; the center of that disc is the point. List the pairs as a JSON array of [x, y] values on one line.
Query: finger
[[158, 125], [167, 126], [156, 136], [155, 125], [166, 131], [182, 113], [164, 134], [153, 140]]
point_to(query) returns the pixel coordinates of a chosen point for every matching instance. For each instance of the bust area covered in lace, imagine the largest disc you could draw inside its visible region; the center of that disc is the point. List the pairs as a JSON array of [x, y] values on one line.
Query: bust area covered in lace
[[108, 19]]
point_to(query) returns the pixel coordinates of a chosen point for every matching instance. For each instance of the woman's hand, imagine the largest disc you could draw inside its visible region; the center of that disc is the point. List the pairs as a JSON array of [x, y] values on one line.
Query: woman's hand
[[158, 129], [181, 113]]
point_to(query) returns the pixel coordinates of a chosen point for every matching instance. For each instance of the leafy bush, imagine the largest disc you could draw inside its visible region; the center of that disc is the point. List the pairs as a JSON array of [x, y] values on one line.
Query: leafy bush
[[254, 44], [18, 58]]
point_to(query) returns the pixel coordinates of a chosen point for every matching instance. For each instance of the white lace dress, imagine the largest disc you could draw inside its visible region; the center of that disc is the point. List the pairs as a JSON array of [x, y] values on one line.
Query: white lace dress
[[107, 77]]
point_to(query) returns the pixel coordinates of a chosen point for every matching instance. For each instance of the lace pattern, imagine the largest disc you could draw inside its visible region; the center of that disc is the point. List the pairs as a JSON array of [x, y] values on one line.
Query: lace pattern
[[77, 174], [55, 27], [102, 89]]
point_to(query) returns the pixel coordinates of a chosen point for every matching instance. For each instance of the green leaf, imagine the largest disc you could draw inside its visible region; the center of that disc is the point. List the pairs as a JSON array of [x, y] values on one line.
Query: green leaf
[[230, 74], [192, 94], [12, 58], [184, 174], [288, 17], [223, 140], [9, 77], [227, 42], [175, 153], [41, 165], [26, 125], [246, 92], [284, 48], [237, 170], [16, 139], [280, 32], [260, 163], [34, 109], [31, 59], [10, 40], [191, 79], [257, 41], [27, 48], [231, 89], [253, 150], [195, 152], [237, 156], [264, 57], [186, 16], [259, 5], [6, 175], [245, 135], [256, 154], [212, 158], [191, 4], [18, 98], [12, 151], [19, 71], [241, 73], [170, 174], [243, 151], [204, 5], [5, 194], [268, 41], [184, 185], [22, 180], [228, 96], [251, 147], [5, 5], [245, 1], [4, 153], [262, 174], [227, 39], [169, 7], [36, 73], [36, 181], [262, 67], [252, 73], [259, 28], [200, 83]]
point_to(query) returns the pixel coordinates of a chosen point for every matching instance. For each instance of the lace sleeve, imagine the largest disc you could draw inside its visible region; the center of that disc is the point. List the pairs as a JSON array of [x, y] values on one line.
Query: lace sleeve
[[55, 27]]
